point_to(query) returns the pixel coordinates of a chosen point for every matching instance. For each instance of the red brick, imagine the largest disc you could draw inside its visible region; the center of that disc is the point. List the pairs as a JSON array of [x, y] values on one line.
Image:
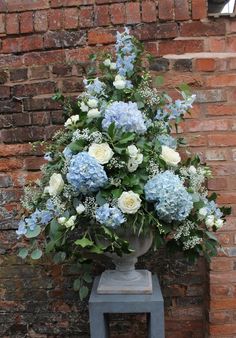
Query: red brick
[[101, 37], [20, 179], [227, 197], [26, 5], [180, 46], [10, 164], [221, 80], [55, 19], [217, 44], [154, 31], [32, 89], [2, 23], [117, 12], [12, 24], [26, 22], [199, 9], [79, 55], [41, 72], [33, 163], [102, 17], [231, 44], [222, 140], [222, 263], [166, 9], [18, 74], [221, 109], [132, 10], [44, 58], [220, 317], [40, 21], [22, 44], [220, 290], [205, 65], [181, 9], [192, 29], [4, 92], [86, 17], [71, 18], [206, 125], [223, 329], [217, 184], [149, 12], [41, 118]]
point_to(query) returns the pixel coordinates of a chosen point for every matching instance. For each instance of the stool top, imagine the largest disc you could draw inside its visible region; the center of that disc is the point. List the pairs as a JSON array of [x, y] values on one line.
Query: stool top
[[156, 296]]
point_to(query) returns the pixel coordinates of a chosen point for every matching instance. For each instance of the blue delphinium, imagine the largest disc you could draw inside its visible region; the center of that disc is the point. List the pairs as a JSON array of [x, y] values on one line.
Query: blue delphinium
[[109, 216], [85, 174], [96, 87], [167, 140], [176, 109], [126, 116], [173, 202], [126, 55]]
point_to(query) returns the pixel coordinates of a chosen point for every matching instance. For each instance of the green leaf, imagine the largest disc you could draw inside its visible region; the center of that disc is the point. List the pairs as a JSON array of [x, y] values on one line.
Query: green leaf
[[77, 146], [98, 249], [184, 88], [59, 257], [119, 149], [50, 246], [36, 254], [87, 277], [213, 197], [84, 242], [127, 138], [76, 284], [33, 233], [23, 253], [111, 130], [83, 292], [100, 199], [116, 193], [211, 236]]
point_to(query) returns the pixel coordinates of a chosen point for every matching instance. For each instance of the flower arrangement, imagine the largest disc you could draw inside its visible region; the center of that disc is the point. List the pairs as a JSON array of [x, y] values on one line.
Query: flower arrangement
[[115, 166]]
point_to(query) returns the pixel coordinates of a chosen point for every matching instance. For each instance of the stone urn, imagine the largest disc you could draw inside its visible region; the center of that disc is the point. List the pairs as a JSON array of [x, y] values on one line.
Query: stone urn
[[125, 279]]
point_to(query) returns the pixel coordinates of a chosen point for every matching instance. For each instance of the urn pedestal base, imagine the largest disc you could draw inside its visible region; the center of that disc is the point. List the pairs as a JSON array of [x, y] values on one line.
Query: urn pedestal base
[[131, 282]]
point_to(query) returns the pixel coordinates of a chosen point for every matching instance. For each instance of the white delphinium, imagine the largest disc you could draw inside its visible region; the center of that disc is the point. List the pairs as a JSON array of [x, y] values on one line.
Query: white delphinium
[[71, 121], [84, 107], [120, 82], [94, 113], [92, 103]]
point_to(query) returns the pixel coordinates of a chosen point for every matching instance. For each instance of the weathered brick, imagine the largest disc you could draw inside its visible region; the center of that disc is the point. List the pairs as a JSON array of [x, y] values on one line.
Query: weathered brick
[[31, 89], [55, 19], [22, 44], [10, 164], [62, 70], [26, 5], [2, 23], [21, 119], [132, 10], [18, 74], [33, 163], [86, 17], [166, 9], [41, 21], [4, 92], [199, 9], [40, 118], [26, 22], [12, 23], [222, 140], [44, 58], [102, 17], [149, 12], [101, 37], [183, 65], [180, 46], [221, 80], [41, 72], [117, 12], [199, 28], [153, 31], [5, 181], [181, 9], [71, 18], [63, 39]]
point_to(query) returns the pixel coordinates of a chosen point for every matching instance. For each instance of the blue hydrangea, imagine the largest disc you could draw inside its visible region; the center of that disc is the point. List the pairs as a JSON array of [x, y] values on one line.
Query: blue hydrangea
[[126, 55], [212, 209], [172, 201], [111, 217], [167, 140], [67, 153], [38, 217], [126, 116], [85, 174], [96, 87]]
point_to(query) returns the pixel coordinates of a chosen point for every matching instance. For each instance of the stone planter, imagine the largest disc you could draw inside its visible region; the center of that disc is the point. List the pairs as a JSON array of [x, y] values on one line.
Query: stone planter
[[125, 279]]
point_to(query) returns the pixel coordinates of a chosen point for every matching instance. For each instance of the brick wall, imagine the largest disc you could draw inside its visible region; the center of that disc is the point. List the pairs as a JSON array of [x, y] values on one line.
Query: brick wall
[[45, 45]]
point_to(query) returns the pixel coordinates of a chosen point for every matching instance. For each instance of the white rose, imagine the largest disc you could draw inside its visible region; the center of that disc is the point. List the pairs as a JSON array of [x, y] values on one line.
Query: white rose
[[71, 120], [210, 220], [61, 220], [102, 152], [192, 169], [219, 223], [139, 158], [80, 209], [92, 103], [84, 107], [129, 202], [170, 156], [120, 82], [56, 184], [94, 113], [132, 150], [113, 66], [203, 212], [107, 62], [132, 165]]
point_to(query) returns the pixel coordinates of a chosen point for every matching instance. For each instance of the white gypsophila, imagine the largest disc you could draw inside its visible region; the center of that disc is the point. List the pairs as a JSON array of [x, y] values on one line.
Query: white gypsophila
[[96, 137], [120, 82], [59, 205], [92, 103], [80, 209], [90, 206], [71, 120], [151, 95], [132, 150], [153, 169], [129, 202], [107, 63], [184, 229], [101, 152], [81, 135], [219, 223], [84, 107], [69, 192], [56, 185], [170, 156], [115, 181], [94, 113], [192, 242], [116, 163]]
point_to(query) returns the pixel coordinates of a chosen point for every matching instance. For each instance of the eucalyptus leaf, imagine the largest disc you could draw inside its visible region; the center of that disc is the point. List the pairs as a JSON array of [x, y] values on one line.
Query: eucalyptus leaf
[[59, 257], [87, 277], [76, 284], [33, 233], [23, 253], [83, 292], [84, 242], [36, 254]]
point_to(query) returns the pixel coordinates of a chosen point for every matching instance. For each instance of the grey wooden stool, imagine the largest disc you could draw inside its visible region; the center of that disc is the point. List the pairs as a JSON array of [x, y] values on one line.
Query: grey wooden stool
[[101, 305]]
